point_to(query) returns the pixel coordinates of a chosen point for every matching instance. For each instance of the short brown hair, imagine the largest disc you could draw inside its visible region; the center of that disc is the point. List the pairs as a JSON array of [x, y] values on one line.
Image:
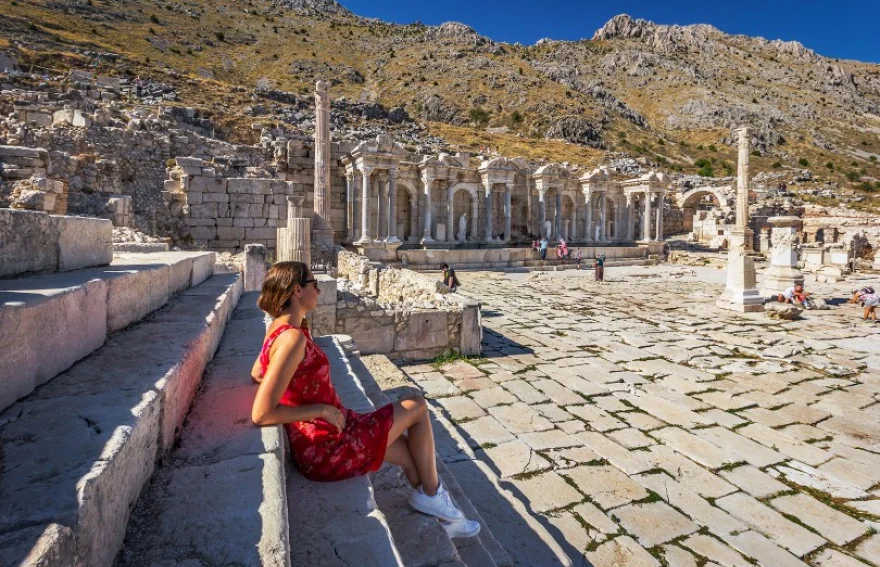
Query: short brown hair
[[278, 286]]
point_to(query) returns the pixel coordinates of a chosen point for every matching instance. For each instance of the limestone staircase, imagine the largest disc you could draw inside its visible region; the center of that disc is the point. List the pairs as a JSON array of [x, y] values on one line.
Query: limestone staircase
[[100, 366]]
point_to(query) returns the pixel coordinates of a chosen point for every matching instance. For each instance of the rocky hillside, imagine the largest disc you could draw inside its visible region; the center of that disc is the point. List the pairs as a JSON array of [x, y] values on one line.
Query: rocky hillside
[[668, 95]]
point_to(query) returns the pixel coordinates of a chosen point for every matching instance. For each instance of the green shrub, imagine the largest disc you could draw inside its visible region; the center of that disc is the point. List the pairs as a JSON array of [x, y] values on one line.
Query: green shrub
[[873, 159], [700, 147], [479, 116], [154, 19], [702, 162], [868, 188], [706, 171], [756, 153], [853, 176], [803, 162], [220, 36], [830, 166], [776, 165], [712, 148]]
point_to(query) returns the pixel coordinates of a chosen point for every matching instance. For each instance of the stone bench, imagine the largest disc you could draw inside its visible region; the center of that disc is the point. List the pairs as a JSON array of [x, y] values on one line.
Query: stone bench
[[79, 449], [219, 499], [34, 241], [339, 523], [48, 322]]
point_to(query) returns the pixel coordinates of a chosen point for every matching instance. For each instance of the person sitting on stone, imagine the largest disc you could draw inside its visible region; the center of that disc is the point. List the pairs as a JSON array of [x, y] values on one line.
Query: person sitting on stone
[[562, 250], [328, 441], [449, 277], [859, 294], [794, 295], [870, 301]]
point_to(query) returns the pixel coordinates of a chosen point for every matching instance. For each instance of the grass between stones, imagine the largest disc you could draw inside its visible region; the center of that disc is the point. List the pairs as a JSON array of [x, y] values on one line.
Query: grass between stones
[[834, 502]]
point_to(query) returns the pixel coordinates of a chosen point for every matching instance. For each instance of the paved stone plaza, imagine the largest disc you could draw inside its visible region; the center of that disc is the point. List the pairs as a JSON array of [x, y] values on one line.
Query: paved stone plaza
[[632, 423]]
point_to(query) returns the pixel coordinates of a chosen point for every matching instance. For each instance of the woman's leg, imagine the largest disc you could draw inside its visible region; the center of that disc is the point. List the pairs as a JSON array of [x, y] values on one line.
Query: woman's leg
[[411, 416], [398, 454]]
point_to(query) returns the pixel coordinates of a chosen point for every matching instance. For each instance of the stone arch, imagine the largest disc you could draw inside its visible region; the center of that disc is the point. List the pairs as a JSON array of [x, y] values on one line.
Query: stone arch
[[465, 199], [407, 210], [690, 200]]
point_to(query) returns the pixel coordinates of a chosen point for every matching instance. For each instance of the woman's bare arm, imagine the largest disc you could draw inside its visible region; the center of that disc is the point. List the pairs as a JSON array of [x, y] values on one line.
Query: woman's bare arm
[[288, 353], [257, 371]]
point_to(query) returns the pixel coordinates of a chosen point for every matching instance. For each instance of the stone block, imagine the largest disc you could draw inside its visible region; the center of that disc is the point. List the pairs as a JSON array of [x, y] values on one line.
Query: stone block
[[215, 198], [424, 329], [260, 233], [471, 330], [230, 233], [255, 267], [37, 317], [372, 335], [28, 242], [83, 242]]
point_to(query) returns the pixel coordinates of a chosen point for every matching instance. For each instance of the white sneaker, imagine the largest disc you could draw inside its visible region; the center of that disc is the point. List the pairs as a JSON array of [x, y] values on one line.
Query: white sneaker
[[440, 505], [461, 528]]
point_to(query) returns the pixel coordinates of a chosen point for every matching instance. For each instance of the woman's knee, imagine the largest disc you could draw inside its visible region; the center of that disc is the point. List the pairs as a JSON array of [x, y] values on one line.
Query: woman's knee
[[419, 405]]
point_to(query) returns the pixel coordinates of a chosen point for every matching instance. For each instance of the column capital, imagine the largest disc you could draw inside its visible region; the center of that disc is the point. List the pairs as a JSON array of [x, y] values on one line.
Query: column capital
[[366, 169]]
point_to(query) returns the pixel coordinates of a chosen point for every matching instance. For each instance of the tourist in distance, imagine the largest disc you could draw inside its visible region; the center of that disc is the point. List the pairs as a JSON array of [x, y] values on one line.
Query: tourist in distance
[[330, 442], [562, 250], [859, 294], [796, 296], [577, 257], [599, 266], [544, 244], [870, 301], [449, 277]]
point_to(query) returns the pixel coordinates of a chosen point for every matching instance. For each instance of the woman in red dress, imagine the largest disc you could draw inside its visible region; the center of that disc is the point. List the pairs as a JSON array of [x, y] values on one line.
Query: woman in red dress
[[330, 442]]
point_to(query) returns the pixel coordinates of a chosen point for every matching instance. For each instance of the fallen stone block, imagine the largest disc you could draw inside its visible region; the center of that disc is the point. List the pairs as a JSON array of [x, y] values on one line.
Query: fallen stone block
[[783, 311]]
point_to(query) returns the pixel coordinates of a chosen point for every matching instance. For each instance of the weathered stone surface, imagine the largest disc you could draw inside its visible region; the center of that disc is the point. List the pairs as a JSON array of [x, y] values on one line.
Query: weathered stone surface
[[28, 242], [547, 491], [492, 397], [694, 447], [831, 524], [484, 431], [525, 391], [772, 524], [83, 242], [752, 544], [714, 550], [622, 552], [753, 481], [870, 549], [605, 485], [698, 509], [654, 523], [461, 408], [426, 329], [834, 558], [520, 418], [515, 457]]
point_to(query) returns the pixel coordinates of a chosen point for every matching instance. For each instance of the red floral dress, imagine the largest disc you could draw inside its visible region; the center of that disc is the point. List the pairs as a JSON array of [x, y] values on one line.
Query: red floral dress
[[321, 452]]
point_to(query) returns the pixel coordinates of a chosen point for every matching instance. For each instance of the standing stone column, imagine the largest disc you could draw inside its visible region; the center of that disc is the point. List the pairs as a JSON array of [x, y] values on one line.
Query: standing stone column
[[426, 236], [294, 240], [349, 205], [413, 216], [507, 214], [365, 205], [542, 213], [646, 222], [588, 223], [741, 293], [574, 222], [742, 191], [783, 272], [392, 206], [449, 213], [557, 215], [603, 215], [489, 219], [322, 227], [764, 240], [659, 229], [629, 217], [254, 266]]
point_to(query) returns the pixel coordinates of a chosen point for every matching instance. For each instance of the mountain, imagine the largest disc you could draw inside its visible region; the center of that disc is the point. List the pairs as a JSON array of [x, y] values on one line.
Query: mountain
[[669, 95]]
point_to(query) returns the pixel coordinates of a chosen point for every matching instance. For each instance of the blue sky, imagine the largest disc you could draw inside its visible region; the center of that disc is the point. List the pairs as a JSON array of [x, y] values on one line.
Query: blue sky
[[846, 29]]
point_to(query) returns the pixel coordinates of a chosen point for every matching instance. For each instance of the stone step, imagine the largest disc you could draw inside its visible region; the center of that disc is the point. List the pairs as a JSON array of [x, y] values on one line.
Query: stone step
[[78, 450], [338, 524], [48, 322], [527, 265], [406, 524], [34, 241], [219, 499]]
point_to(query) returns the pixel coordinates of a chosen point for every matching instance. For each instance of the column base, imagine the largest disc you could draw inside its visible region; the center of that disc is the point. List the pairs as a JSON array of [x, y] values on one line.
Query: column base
[[427, 240], [779, 278], [363, 240], [392, 240]]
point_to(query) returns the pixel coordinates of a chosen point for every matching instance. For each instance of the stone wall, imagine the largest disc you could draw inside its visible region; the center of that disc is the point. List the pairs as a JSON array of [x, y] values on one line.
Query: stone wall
[[401, 313]]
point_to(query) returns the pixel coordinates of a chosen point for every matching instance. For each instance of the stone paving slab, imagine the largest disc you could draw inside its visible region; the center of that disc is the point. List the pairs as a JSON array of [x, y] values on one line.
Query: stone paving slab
[[831, 524], [654, 523], [662, 406]]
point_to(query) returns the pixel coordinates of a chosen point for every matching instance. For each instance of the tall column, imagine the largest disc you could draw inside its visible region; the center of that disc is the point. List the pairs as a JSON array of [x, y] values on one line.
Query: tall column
[[588, 223], [365, 205], [413, 216], [322, 228], [742, 192], [557, 215], [574, 223], [542, 213], [646, 222], [426, 235], [380, 224], [629, 217], [659, 228], [507, 214], [392, 206], [489, 219], [603, 214], [349, 205], [449, 213]]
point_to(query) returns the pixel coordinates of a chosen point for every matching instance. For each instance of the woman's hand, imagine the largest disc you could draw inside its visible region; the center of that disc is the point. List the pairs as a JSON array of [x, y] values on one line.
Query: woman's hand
[[334, 416]]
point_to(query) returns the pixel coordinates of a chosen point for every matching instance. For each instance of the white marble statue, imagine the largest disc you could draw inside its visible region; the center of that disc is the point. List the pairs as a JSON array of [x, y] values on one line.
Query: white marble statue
[[462, 228], [547, 227]]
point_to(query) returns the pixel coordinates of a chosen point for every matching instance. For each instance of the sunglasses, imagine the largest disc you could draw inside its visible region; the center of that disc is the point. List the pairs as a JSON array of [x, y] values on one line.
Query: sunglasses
[[304, 283]]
